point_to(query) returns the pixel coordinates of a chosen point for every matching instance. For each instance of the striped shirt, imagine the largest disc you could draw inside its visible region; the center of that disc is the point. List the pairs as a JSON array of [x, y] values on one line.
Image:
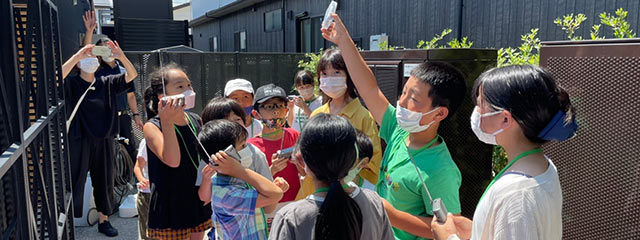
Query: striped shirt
[[234, 210]]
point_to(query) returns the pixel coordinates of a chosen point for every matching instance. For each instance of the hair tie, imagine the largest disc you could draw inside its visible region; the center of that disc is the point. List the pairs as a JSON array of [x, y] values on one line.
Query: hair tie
[[557, 129]]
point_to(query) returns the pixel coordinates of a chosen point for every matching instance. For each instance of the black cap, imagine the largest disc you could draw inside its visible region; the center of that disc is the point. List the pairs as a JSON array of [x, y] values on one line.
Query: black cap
[[267, 92]]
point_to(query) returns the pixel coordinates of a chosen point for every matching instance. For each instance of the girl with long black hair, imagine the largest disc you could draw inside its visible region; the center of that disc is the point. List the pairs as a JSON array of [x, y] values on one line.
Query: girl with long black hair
[[327, 151]]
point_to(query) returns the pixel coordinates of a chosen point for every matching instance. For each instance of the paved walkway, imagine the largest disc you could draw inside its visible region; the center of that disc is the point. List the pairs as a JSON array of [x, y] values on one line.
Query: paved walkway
[[127, 229]]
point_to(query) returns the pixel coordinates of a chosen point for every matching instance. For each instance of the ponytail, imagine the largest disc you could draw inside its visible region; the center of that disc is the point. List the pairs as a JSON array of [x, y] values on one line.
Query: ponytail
[[340, 216]]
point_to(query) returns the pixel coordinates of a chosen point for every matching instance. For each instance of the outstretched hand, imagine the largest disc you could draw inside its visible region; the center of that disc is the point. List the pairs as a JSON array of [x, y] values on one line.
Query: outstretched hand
[[89, 19], [336, 32]]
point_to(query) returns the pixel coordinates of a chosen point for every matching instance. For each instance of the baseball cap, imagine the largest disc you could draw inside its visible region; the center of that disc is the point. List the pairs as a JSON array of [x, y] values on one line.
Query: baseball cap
[[237, 84], [267, 92]]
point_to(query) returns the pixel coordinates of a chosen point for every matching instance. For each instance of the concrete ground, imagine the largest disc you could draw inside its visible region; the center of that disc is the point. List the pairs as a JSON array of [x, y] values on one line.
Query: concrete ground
[[127, 229]]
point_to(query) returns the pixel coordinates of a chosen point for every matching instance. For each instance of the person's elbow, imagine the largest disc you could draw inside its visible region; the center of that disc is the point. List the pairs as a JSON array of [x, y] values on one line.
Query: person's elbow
[[131, 75]]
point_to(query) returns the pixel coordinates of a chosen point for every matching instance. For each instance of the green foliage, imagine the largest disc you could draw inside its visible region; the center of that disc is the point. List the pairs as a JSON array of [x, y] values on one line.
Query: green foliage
[[460, 44], [620, 26], [570, 24], [527, 53], [434, 41], [311, 62], [384, 46], [595, 32]]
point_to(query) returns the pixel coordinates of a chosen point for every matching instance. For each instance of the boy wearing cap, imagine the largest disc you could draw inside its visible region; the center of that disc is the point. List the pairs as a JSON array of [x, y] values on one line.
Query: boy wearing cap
[[241, 91], [270, 107]]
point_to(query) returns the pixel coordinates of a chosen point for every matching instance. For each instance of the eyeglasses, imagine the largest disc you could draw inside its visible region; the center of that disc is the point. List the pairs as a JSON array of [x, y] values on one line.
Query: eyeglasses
[[272, 107]]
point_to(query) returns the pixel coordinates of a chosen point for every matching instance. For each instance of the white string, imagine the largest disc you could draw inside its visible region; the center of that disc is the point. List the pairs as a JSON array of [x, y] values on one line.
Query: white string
[[162, 73]]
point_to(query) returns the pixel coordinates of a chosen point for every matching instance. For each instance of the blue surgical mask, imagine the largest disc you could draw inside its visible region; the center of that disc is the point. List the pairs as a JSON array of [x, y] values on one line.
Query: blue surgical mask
[[247, 110]]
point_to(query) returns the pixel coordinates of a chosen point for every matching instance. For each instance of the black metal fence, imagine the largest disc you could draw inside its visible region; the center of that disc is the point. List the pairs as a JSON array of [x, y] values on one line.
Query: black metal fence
[[35, 186], [209, 72]]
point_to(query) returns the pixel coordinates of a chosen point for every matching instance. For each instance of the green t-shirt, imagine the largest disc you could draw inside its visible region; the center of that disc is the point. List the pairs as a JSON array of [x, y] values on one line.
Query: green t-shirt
[[400, 183]]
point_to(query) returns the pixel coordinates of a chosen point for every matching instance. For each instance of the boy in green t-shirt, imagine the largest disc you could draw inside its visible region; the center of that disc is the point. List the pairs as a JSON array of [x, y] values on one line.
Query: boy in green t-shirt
[[433, 92]]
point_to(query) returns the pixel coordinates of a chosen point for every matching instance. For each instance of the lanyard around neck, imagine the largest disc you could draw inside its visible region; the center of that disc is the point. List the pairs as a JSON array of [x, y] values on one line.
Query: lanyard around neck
[[524, 154], [192, 127], [397, 147]]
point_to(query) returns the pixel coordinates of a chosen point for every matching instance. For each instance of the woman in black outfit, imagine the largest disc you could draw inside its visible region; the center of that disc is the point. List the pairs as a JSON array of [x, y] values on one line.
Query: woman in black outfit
[[92, 125]]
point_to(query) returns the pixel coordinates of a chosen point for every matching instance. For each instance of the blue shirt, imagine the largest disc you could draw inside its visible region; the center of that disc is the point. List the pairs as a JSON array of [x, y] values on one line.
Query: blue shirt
[[234, 209]]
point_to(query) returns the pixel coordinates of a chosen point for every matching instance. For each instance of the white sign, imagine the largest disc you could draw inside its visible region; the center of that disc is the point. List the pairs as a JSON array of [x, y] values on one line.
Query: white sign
[[408, 68]]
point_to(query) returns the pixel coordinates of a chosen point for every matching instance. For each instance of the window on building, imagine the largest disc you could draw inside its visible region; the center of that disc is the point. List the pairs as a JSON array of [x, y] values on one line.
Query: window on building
[[213, 44], [309, 38], [273, 20], [240, 40]]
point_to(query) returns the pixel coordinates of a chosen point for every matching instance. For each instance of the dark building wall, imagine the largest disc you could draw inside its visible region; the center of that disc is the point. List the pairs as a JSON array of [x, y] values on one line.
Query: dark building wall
[[500, 23], [147, 9], [488, 23], [71, 25]]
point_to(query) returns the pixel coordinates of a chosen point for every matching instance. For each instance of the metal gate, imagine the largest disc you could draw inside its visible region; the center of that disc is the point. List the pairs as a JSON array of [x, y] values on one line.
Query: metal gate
[[35, 185]]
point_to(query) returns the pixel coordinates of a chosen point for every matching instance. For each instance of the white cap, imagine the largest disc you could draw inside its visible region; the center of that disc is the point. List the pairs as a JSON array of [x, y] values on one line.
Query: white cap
[[237, 84]]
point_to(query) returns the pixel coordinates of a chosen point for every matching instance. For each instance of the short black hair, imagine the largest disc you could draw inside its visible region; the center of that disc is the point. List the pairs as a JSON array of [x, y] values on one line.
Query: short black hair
[[220, 108], [333, 57], [365, 146], [448, 86], [218, 134], [528, 92], [304, 77]]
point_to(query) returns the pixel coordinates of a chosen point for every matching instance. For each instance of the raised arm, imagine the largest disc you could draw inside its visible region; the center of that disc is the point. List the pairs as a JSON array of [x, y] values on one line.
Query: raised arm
[[268, 192], [360, 73], [128, 66], [83, 53], [164, 144], [89, 19]]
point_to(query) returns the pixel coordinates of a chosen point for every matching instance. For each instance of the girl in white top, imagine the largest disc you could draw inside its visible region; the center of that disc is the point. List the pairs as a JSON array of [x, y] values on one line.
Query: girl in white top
[[301, 107], [519, 108]]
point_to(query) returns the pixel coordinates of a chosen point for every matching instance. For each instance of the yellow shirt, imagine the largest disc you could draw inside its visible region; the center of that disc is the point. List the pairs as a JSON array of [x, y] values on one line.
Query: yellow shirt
[[362, 120]]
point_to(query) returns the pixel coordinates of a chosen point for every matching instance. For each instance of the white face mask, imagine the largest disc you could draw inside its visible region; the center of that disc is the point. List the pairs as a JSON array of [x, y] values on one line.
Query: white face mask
[[355, 170], [246, 158], [306, 93], [89, 65], [334, 87], [108, 59], [189, 98], [352, 174], [476, 117], [410, 121]]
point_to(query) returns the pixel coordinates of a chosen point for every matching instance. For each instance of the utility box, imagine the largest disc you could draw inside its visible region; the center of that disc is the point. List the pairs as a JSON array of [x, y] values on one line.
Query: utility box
[[375, 40], [392, 69]]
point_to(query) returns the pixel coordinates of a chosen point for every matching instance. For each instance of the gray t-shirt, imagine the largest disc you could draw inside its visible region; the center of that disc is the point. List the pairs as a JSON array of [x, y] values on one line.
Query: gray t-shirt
[[259, 164], [298, 219]]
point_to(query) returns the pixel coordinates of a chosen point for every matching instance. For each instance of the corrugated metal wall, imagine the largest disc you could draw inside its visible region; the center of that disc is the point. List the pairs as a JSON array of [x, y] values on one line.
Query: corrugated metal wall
[[488, 23]]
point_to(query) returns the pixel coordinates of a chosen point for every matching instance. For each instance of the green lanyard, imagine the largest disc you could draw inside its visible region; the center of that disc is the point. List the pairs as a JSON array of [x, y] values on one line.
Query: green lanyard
[[326, 189], [264, 219], [385, 166], [184, 143], [524, 154]]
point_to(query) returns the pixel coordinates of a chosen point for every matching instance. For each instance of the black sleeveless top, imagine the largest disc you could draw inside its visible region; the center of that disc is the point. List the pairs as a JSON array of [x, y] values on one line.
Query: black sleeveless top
[[175, 202]]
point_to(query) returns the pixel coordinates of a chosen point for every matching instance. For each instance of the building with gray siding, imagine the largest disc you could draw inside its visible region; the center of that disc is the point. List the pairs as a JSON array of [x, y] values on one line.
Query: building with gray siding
[[293, 25]]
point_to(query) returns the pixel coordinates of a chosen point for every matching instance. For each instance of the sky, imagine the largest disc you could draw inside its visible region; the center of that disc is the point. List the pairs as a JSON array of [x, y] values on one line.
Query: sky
[[178, 2]]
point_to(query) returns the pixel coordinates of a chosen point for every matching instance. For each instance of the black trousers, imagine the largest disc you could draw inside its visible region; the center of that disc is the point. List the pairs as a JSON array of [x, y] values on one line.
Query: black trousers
[[97, 157], [126, 131]]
